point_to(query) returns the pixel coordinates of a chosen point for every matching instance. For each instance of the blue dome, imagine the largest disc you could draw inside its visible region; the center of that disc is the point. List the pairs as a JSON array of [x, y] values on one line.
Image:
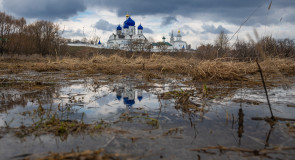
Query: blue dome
[[130, 103], [139, 98], [99, 42], [130, 22], [125, 100], [126, 26], [140, 27], [119, 28]]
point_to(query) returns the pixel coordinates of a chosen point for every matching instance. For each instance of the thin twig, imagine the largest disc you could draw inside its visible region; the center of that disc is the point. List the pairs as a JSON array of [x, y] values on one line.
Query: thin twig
[[245, 150], [267, 119], [244, 23]]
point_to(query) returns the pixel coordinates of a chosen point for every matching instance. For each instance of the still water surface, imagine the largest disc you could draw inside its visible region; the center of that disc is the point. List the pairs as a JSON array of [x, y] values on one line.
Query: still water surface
[[225, 121]]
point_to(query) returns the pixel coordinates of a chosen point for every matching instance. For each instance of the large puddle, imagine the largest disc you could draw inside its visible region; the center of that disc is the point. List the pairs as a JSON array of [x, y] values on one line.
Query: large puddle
[[147, 120]]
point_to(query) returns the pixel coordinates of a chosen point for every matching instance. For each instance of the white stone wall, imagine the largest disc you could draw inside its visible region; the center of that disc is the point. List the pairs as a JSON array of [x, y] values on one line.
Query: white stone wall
[[179, 45]]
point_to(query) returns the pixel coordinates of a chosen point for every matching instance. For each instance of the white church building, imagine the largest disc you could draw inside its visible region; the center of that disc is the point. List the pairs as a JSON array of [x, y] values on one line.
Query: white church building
[[126, 38], [174, 44]]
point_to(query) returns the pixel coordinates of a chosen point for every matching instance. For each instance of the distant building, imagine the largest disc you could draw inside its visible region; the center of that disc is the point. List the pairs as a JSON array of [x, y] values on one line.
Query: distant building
[[178, 44], [130, 38], [126, 38], [86, 44], [174, 45], [162, 46], [100, 45]]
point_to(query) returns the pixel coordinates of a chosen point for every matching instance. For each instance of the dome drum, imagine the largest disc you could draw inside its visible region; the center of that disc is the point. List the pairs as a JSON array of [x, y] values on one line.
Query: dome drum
[[130, 22], [140, 27], [119, 28]]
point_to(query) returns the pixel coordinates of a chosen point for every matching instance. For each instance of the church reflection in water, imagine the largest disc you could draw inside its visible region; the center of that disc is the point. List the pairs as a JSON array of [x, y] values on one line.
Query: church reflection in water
[[129, 94]]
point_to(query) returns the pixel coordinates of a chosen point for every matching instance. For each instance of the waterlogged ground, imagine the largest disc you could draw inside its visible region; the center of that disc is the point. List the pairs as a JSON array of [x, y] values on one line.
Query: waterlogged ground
[[130, 118]]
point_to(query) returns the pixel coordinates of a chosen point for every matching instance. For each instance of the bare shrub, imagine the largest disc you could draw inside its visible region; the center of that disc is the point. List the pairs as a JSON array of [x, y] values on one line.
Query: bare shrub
[[244, 51], [41, 37], [286, 48], [207, 51], [222, 44]]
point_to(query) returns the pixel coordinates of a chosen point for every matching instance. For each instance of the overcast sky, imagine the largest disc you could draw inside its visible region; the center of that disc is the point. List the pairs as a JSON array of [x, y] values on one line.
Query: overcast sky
[[200, 21]]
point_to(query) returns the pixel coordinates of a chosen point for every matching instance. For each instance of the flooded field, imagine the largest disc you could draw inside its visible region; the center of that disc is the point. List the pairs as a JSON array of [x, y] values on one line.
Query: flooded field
[[52, 115]]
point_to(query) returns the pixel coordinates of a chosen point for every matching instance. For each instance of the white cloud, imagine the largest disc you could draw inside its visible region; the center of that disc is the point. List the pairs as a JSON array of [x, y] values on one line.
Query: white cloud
[[84, 23]]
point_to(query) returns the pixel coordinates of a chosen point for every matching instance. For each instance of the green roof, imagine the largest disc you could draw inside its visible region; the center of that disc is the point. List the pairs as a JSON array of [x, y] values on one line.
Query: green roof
[[161, 43], [3, 39]]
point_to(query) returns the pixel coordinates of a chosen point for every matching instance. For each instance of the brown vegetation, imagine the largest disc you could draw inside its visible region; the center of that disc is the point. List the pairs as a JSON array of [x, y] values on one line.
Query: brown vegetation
[[154, 66], [265, 47], [41, 37], [39, 47]]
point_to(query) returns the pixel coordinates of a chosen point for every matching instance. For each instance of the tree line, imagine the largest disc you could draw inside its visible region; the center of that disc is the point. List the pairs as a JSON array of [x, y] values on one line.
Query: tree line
[[41, 37], [44, 38], [247, 50]]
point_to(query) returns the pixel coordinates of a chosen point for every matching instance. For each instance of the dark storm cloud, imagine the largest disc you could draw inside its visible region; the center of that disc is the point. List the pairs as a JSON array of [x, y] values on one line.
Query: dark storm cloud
[[232, 11], [44, 9], [168, 20], [105, 25], [214, 30]]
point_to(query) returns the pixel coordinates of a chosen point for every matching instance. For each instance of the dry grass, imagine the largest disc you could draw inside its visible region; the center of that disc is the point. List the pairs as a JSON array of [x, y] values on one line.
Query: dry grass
[[291, 128], [154, 66], [100, 154]]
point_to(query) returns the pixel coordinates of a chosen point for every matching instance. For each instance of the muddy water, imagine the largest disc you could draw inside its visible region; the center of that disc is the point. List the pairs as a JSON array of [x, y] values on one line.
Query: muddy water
[[225, 121]]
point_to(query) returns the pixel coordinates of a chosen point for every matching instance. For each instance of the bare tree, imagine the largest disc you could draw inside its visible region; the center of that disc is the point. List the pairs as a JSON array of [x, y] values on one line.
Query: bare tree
[[221, 43], [45, 36], [129, 45], [16, 44], [139, 44], [148, 44], [6, 30], [286, 48], [11, 31], [41, 37]]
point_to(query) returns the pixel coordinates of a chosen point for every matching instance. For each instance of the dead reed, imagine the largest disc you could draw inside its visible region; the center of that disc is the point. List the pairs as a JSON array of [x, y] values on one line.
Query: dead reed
[[154, 66]]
